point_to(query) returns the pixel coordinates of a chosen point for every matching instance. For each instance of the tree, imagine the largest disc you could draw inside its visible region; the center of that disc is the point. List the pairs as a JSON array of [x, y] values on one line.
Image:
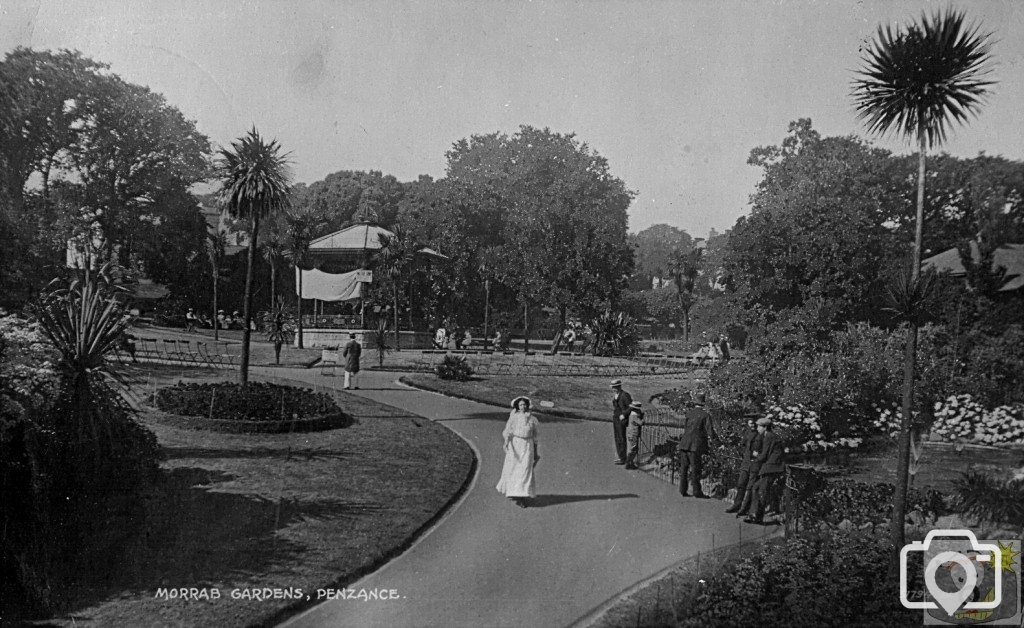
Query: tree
[[684, 268], [397, 256], [654, 248], [917, 80], [216, 243], [254, 183], [561, 217], [302, 224]]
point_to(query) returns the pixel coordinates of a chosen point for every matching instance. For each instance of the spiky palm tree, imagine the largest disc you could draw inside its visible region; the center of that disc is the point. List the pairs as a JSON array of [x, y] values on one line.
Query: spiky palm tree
[[916, 81], [397, 255], [254, 185], [302, 224], [685, 267], [216, 244]]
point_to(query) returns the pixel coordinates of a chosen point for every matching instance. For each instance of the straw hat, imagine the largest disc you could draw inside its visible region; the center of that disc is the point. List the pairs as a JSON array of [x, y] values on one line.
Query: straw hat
[[515, 402]]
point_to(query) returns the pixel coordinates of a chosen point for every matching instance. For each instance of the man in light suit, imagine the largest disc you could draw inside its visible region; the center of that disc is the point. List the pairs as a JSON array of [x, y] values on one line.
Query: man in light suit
[[620, 418], [351, 354]]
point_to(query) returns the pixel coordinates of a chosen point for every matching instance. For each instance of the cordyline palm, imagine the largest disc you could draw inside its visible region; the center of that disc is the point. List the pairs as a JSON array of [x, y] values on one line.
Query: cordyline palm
[[397, 255], [685, 267], [216, 243], [254, 185], [916, 81], [301, 224]]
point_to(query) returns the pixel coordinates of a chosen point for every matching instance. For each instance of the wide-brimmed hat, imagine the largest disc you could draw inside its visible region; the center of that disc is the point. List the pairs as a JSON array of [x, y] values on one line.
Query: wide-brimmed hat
[[616, 382], [636, 405], [765, 421], [515, 402]]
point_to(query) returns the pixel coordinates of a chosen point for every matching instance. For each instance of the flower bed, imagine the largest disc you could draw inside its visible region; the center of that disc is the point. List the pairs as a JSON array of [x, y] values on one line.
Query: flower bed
[[258, 407], [960, 417]]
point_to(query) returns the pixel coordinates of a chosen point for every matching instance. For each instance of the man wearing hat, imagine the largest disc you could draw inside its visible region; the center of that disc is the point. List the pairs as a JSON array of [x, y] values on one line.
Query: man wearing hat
[[351, 354], [749, 468], [620, 417], [770, 458], [693, 444], [635, 423]]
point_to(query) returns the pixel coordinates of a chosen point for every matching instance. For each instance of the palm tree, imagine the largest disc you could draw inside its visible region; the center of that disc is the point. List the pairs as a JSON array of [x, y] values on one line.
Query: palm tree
[[254, 185], [684, 268], [916, 80], [216, 243], [302, 224], [273, 249], [397, 255]]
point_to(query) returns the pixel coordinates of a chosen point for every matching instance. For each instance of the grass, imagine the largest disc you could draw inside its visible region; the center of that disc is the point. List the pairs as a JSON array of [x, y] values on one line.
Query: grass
[[261, 353], [284, 511], [581, 397]]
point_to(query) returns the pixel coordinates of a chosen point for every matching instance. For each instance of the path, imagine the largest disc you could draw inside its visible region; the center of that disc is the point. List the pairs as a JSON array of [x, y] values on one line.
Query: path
[[595, 530]]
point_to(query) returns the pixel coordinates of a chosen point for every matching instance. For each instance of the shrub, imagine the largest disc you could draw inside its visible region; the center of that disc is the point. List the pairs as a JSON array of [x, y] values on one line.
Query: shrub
[[1000, 501], [961, 417], [862, 503], [825, 579], [455, 367], [254, 402]]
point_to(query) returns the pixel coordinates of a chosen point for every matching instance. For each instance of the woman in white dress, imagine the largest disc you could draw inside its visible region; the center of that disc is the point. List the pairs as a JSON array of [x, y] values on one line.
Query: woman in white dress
[[520, 441]]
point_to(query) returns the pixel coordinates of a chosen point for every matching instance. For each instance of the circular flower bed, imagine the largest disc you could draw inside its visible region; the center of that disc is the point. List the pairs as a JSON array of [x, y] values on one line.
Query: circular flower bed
[[258, 407]]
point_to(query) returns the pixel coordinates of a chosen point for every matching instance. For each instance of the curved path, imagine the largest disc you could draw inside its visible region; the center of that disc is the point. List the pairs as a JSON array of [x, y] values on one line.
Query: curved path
[[594, 530]]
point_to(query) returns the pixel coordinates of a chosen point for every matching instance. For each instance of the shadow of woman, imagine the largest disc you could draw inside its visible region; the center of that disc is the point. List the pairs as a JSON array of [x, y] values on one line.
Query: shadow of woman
[[541, 501]]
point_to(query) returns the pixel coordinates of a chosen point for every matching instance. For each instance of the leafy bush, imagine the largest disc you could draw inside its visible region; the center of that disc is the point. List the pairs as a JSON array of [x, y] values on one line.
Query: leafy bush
[[863, 503], [454, 367], [614, 334], [986, 497], [827, 579], [253, 402]]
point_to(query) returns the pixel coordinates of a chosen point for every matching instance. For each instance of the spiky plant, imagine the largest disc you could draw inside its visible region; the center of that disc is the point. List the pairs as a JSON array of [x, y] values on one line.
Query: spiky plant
[[254, 184], [279, 326], [379, 340], [916, 81]]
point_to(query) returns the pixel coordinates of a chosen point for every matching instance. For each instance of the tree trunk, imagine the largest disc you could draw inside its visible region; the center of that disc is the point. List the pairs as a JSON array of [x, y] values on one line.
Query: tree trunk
[[526, 327], [899, 498], [277, 352], [273, 282], [556, 342], [487, 307], [243, 376], [298, 335], [394, 292], [216, 323], [686, 325]]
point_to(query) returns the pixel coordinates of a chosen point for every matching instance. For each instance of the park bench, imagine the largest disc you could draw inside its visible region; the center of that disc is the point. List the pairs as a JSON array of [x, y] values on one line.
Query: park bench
[[329, 358]]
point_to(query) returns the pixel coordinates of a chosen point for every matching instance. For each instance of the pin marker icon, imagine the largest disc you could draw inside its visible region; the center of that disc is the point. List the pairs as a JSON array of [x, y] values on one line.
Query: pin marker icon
[[950, 601]]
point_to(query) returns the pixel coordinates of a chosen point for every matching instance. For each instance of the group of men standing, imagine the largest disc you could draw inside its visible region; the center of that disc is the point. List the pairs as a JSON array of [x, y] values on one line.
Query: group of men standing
[[760, 469]]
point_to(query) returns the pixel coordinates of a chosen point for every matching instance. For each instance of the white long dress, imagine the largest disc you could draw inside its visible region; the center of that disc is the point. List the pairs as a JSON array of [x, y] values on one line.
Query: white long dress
[[520, 436]]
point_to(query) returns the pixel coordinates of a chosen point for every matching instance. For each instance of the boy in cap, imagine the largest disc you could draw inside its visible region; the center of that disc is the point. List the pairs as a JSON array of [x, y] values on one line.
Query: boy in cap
[[620, 411], [635, 423]]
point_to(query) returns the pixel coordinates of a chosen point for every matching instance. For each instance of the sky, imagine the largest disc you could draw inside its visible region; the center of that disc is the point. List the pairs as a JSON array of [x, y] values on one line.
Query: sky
[[674, 94]]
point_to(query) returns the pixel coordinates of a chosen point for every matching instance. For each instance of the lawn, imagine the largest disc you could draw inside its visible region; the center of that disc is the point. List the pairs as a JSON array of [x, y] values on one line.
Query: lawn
[[261, 353], [269, 511], [583, 397]]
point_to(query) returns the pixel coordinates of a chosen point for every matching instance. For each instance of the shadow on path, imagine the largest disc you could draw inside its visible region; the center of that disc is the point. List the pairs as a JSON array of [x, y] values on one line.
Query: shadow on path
[[502, 416], [553, 500]]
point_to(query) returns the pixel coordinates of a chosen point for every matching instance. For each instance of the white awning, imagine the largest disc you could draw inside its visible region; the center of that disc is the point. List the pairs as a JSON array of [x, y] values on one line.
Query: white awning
[[317, 284]]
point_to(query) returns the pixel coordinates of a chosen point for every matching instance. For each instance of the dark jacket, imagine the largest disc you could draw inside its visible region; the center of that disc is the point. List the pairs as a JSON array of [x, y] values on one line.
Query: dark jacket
[[752, 443], [620, 405], [771, 454], [352, 352], [696, 431]]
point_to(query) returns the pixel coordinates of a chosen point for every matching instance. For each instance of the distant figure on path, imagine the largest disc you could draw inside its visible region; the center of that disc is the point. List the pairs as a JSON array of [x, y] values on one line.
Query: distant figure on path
[[569, 338], [620, 417], [190, 320], [351, 354], [520, 442], [693, 444], [440, 337], [635, 424], [723, 347], [467, 340]]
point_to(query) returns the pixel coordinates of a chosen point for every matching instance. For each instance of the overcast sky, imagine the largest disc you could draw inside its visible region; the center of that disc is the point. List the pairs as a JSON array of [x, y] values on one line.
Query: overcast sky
[[674, 94]]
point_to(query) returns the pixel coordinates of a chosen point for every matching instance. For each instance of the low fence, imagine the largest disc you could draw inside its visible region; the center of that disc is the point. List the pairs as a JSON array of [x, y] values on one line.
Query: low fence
[[489, 363], [212, 354]]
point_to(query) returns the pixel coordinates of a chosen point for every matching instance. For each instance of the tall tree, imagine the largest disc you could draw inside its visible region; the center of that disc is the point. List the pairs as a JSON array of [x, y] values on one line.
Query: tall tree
[[917, 80], [302, 224], [684, 267], [254, 183], [216, 243], [654, 247], [397, 256]]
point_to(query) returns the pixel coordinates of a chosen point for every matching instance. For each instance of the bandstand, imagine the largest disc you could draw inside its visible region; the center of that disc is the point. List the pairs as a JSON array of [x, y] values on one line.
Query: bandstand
[[342, 269]]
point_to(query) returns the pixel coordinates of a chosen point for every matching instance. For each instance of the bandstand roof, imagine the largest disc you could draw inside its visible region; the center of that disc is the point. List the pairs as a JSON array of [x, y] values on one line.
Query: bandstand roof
[[359, 238]]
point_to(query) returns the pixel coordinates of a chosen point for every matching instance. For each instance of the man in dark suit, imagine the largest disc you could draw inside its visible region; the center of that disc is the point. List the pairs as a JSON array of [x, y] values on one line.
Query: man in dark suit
[[620, 418], [748, 470], [693, 444], [351, 354], [771, 469]]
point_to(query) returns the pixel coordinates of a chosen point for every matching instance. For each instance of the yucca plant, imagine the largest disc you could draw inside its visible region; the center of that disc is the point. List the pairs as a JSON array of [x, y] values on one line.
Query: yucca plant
[[94, 427], [279, 325], [379, 340]]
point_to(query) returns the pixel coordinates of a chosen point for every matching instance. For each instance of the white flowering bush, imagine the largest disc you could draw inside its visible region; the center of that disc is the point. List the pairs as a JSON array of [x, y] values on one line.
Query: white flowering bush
[[960, 417], [806, 427]]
